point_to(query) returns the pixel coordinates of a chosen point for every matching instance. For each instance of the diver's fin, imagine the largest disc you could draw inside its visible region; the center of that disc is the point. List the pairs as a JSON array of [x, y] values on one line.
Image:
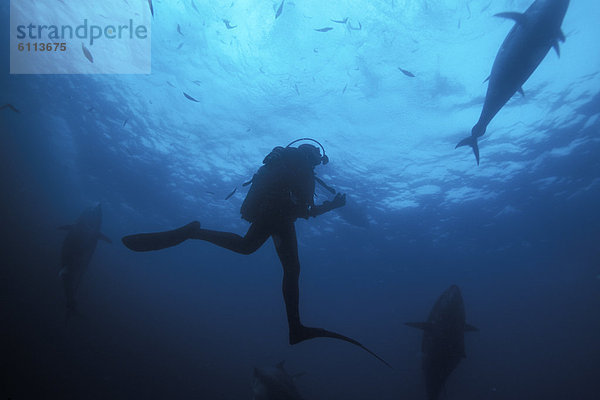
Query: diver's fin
[[160, 240], [470, 141], [426, 326], [102, 236], [65, 227], [306, 333], [519, 18], [520, 90], [556, 47], [470, 328]]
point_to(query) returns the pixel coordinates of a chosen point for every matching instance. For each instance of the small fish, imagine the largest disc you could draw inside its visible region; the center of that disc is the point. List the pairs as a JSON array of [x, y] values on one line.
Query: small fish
[[179, 30], [90, 109], [297, 91], [125, 122], [190, 97], [315, 50], [9, 106], [407, 73], [469, 10], [353, 28], [87, 53], [197, 82], [194, 6], [231, 194], [344, 90], [343, 21], [458, 25], [326, 29], [170, 84], [228, 25], [180, 46], [279, 10], [209, 192], [151, 8]]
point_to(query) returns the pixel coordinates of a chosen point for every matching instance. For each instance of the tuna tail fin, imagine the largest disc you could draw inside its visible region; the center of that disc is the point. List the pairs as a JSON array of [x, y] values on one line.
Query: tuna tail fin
[[470, 141], [306, 333]]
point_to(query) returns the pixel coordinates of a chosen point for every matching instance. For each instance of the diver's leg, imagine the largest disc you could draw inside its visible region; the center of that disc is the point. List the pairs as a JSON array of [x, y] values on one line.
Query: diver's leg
[[286, 244], [255, 237]]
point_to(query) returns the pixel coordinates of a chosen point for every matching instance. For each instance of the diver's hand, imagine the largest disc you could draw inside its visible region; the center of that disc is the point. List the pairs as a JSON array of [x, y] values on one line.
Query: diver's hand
[[338, 201]]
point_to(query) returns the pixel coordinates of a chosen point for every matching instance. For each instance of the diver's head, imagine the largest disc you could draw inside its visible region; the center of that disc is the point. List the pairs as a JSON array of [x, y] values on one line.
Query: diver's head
[[312, 154]]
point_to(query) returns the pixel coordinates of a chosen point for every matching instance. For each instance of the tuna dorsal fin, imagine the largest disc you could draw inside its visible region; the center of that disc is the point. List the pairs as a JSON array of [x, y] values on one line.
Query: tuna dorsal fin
[[65, 227], [426, 326], [486, 79], [102, 236], [556, 47], [515, 16], [561, 36], [520, 90], [470, 328], [280, 365]]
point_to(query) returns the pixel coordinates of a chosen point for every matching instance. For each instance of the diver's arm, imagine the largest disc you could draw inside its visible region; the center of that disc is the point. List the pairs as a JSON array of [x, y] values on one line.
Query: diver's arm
[[338, 201]]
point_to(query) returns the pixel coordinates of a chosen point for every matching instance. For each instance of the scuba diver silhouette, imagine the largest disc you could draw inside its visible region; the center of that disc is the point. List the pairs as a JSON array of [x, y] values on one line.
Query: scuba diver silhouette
[[282, 191]]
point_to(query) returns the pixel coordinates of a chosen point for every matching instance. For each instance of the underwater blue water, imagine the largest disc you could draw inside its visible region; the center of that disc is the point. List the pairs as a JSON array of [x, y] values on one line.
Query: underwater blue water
[[520, 234]]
